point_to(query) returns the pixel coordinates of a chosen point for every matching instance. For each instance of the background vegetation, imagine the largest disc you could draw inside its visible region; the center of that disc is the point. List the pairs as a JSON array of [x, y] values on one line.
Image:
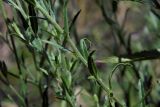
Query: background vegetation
[[80, 53]]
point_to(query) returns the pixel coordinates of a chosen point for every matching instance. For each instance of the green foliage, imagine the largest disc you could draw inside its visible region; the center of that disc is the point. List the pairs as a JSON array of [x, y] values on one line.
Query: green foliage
[[50, 62]]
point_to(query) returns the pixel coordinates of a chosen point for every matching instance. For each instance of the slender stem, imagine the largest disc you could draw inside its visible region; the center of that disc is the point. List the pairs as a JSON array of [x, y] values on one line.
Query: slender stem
[[77, 52], [67, 32], [38, 6], [45, 13], [108, 91]]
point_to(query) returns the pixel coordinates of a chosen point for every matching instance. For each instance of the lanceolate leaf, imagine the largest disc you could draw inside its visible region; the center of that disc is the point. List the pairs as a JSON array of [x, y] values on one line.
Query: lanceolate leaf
[[53, 43], [74, 20], [24, 22], [141, 93], [138, 56], [91, 65], [66, 26], [67, 79], [30, 2], [73, 65], [33, 19], [84, 47], [143, 55]]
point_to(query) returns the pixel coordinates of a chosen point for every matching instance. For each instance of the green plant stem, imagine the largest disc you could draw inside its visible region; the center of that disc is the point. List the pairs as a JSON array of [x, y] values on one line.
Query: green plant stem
[[45, 13], [114, 69], [99, 81], [21, 9], [38, 6], [108, 91], [66, 31], [77, 52], [70, 100], [18, 7], [17, 30]]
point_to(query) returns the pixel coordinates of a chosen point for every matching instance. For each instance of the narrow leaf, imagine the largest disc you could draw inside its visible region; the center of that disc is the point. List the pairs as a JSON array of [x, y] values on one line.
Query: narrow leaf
[[33, 19], [24, 22], [141, 93], [55, 45], [74, 20], [84, 47], [91, 65]]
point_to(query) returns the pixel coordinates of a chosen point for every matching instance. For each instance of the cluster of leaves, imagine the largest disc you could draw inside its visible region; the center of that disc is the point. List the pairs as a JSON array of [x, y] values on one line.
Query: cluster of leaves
[[51, 61]]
